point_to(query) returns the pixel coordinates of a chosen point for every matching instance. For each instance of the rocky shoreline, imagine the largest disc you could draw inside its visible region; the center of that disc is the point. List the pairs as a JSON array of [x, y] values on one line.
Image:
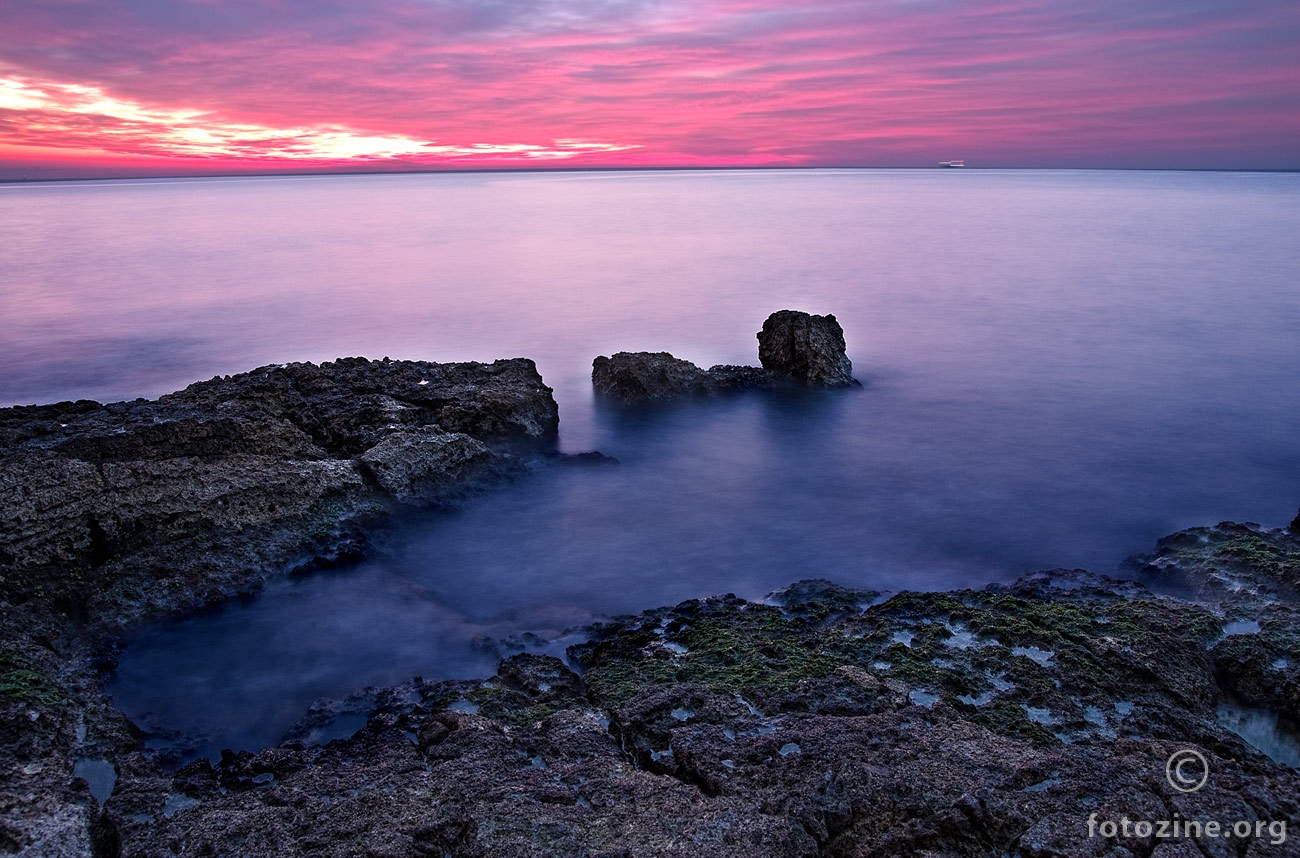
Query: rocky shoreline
[[114, 516], [822, 721], [981, 722]]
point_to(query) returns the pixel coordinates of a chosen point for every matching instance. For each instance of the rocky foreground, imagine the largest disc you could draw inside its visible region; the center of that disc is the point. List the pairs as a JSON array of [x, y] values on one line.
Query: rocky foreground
[[820, 722], [112, 516]]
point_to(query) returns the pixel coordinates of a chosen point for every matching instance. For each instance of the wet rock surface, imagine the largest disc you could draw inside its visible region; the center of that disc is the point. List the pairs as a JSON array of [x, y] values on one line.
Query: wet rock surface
[[142, 504], [807, 348], [635, 377], [795, 348], [114, 515], [822, 721], [1252, 575]]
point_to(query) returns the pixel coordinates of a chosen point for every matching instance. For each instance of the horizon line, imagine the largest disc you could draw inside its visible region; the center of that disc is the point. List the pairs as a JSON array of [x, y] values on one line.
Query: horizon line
[[289, 174]]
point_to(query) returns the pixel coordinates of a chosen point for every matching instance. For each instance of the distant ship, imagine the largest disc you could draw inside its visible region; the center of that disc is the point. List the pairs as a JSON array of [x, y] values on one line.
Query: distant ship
[[958, 163]]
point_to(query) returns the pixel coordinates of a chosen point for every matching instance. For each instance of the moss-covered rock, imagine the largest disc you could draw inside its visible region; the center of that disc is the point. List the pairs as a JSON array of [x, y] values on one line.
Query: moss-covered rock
[[821, 721]]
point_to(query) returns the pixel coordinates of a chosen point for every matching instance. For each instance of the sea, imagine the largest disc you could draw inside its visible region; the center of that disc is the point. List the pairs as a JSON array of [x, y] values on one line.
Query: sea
[[1058, 368]]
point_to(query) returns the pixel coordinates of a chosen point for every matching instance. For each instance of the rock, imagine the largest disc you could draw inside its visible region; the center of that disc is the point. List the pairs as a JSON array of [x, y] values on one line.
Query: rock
[[818, 721], [114, 515], [858, 677], [728, 378], [215, 487], [806, 348], [423, 466], [646, 377], [590, 459], [539, 679], [639, 377], [1196, 558], [794, 348], [760, 731]]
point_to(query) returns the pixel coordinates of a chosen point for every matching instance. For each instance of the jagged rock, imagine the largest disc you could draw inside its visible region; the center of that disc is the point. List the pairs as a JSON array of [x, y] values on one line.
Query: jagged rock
[[794, 347], [806, 348], [1196, 558], [422, 466], [216, 485], [635, 377], [539, 678]]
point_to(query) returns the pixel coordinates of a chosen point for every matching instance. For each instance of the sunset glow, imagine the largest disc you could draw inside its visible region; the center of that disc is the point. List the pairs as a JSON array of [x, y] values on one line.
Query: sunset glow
[[94, 88], [70, 115]]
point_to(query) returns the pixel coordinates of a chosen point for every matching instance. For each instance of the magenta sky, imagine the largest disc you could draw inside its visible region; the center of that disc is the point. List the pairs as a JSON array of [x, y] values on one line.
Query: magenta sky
[[109, 87]]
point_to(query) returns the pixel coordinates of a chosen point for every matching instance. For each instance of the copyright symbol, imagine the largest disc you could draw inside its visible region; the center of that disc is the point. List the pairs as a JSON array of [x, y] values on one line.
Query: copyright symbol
[[1187, 770]]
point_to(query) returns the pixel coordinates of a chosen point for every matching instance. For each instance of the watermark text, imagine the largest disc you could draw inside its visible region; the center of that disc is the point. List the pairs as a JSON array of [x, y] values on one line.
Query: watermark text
[[1179, 828]]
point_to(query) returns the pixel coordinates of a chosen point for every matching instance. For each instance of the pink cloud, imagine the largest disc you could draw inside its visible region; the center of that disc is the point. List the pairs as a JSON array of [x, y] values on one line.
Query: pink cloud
[[899, 82]]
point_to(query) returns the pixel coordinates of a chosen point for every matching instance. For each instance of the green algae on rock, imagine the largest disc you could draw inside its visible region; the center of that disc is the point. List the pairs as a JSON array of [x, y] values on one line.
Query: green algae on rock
[[822, 721]]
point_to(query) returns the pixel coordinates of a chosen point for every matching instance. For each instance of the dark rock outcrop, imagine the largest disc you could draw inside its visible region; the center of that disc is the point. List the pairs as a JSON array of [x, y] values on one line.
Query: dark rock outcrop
[[1252, 575], [211, 487], [806, 348], [658, 376], [794, 348]]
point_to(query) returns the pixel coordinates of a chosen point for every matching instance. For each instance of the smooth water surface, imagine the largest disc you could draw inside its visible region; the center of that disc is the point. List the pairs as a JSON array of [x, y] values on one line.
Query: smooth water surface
[[1059, 368]]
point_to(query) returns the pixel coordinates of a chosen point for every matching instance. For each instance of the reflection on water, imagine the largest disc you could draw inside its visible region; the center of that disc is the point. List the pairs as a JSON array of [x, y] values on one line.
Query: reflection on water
[[1059, 368]]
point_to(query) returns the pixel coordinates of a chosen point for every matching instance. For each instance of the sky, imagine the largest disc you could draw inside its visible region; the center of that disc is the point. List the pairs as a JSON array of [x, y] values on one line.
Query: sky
[[178, 87]]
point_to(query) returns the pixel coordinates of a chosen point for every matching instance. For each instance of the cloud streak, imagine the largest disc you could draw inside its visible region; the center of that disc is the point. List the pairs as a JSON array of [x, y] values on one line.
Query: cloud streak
[[806, 82], [80, 117]]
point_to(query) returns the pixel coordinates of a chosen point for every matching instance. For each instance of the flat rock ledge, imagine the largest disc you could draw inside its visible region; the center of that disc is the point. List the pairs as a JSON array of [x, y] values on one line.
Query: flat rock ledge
[[145, 507], [795, 348]]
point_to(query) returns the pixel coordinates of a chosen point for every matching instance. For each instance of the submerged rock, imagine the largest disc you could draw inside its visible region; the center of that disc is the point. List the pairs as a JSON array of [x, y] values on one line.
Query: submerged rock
[[806, 348], [794, 348]]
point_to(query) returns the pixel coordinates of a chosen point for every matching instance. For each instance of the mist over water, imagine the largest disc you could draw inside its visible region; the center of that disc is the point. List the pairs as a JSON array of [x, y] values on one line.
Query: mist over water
[[1058, 368]]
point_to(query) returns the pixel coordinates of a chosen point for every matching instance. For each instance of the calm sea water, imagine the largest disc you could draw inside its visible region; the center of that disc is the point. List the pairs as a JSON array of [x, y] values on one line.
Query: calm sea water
[[1059, 368]]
